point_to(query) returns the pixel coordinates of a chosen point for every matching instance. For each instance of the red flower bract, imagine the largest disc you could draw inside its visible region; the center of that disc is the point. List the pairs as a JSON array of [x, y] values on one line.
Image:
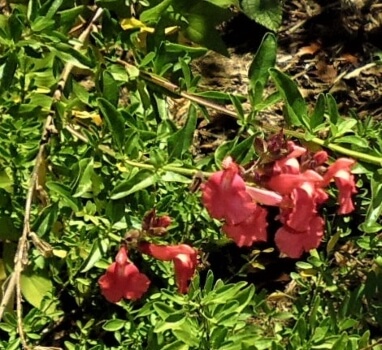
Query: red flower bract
[[183, 256], [122, 279]]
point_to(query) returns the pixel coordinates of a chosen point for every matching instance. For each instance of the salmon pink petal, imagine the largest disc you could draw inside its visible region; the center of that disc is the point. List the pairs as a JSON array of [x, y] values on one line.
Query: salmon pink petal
[[225, 197], [122, 279], [294, 244], [264, 196], [184, 270], [286, 166], [183, 256], [304, 207], [346, 186], [165, 252], [339, 164], [137, 285], [321, 196], [285, 183], [320, 157], [295, 151], [253, 229]]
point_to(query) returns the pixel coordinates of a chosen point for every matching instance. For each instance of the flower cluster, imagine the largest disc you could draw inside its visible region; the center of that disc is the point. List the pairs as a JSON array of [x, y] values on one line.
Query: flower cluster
[[122, 279], [295, 182]]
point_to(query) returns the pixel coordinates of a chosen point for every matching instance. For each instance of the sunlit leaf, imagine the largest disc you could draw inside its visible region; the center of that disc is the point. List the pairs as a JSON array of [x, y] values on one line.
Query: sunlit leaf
[[97, 250], [265, 12], [181, 141], [35, 287], [139, 181], [114, 121], [263, 60]]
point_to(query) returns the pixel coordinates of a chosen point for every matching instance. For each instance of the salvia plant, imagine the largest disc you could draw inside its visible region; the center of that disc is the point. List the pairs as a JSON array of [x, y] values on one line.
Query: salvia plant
[[118, 232]]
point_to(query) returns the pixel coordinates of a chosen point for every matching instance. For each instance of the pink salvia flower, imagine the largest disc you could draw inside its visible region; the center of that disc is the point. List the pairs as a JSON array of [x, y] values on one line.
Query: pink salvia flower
[[294, 244], [253, 229], [346, 186], [225, 197], [122, 279], [340, 172], [183, 256]]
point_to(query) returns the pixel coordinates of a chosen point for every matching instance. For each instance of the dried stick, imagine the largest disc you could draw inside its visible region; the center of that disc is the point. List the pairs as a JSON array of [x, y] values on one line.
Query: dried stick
[[21, 256]]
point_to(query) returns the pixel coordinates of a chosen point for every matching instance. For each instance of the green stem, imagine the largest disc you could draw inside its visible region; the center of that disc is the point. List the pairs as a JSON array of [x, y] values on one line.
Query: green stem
[[336, 148], [175, 169], [114, 237]]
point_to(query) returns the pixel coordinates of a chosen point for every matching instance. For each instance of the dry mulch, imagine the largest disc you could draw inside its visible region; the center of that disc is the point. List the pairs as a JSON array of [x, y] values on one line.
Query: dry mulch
[[323, 46]]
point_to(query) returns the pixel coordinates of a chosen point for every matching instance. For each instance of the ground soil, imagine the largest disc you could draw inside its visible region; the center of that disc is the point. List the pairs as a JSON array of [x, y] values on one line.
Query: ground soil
[[323, 45]]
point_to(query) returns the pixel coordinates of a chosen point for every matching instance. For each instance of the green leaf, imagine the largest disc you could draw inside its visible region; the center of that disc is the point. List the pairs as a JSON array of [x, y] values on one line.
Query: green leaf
[[114, 121], [46, 220], [341, 342], [317, 116], [153, 14], [217, 96], [174, 321], [223, 3], [86, 180], [353, 140], [240, 151], [223, 151], [8, 71], [141, 180], [35, 287], [332, 110], [244, 297], [65, 193], [69, 15], [374, 211], [163, 309], [176, 345], [99, 248], [202, 19], [53, 9], [68, 53], [40, 24], [223, 293], [345, 125], [268, 13], [263, 60], [110, 88], [238, 107], [170, 176], [7, 229], [113, 325], [186, 336], [181, 141], [295, 104], [209, 282]]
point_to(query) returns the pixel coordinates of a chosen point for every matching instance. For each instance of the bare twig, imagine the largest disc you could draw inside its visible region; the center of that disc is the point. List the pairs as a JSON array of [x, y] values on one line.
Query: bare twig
[[21, 256], [159, 81]]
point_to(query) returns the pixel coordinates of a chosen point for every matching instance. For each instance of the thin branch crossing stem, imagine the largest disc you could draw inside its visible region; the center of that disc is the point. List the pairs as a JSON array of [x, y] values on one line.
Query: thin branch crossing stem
[[174, 89]]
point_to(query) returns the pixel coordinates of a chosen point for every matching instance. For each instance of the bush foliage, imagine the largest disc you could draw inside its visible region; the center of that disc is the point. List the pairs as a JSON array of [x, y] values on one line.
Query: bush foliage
[[89, 146]]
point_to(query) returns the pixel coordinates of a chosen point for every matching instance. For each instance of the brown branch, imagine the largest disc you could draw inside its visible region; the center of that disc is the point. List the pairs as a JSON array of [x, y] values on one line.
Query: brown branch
[[21, 256], [174, 89]]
